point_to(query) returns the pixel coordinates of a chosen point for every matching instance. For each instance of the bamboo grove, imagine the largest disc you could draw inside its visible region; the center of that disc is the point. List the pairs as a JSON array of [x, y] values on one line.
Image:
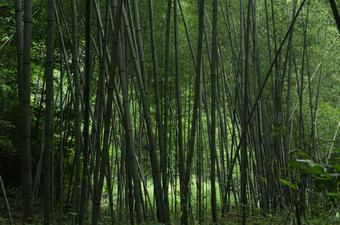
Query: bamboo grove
[[156, 111]]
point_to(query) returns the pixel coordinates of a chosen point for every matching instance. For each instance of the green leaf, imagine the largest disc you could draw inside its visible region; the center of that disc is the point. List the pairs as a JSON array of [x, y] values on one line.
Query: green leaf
[[288, 183], [320, 179], [146, 173], [304, 155], [321, 183], [335, 161], [336, 150], [328, 176], [333, 194], [308, 161], [317, 169], [274, 134], [295, 164], [286, 169], [337, 167]]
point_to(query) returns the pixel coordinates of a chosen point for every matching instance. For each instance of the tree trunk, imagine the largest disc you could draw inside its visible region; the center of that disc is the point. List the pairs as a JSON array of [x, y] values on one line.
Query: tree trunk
[[48, 111], [26, 167]]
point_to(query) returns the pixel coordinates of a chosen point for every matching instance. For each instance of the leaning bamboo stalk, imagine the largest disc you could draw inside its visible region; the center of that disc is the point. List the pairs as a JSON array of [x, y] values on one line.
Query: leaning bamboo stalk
[[147, 115], [6, 201]]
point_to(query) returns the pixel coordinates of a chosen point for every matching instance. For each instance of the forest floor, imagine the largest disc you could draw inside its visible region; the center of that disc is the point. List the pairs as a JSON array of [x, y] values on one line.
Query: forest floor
[[286, 218]]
